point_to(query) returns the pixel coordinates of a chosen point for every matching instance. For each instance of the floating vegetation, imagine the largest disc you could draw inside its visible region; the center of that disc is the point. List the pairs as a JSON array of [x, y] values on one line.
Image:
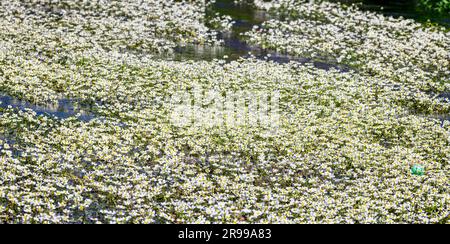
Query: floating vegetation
[[394, 48], [338, 148]]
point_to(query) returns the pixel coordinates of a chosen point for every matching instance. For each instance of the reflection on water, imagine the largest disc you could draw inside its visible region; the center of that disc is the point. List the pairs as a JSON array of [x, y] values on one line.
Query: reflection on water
[[64, 109], [397, 8], [234, 47], [245, 17]]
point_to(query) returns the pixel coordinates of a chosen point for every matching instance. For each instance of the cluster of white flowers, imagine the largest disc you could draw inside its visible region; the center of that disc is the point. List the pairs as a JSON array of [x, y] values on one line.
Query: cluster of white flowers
[[342, 152], [134, 26], [394, 48]]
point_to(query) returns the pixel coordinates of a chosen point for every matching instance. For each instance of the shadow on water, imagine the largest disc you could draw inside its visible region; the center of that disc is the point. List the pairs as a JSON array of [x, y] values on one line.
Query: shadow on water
[[65, 108], [399, 8]]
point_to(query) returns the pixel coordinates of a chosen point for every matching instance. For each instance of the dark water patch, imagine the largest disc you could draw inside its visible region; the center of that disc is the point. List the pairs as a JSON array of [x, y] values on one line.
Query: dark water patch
[[442, 118], [8, 139], [444, 96], [244, 13], [235, 49], [65, 108], [399, 8], [13, 146]]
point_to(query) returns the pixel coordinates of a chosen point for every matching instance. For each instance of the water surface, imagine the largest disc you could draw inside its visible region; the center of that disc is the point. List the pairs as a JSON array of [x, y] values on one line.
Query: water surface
[[65, 108], [399, 8]]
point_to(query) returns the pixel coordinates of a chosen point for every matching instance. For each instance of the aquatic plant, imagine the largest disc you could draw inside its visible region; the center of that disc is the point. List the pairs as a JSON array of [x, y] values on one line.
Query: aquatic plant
[[439, 6], [341, 153], [393, 48]]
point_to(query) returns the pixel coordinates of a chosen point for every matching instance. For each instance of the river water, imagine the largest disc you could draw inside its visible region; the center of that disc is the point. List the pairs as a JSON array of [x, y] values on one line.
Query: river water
[[396, 8], [65, 108]]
